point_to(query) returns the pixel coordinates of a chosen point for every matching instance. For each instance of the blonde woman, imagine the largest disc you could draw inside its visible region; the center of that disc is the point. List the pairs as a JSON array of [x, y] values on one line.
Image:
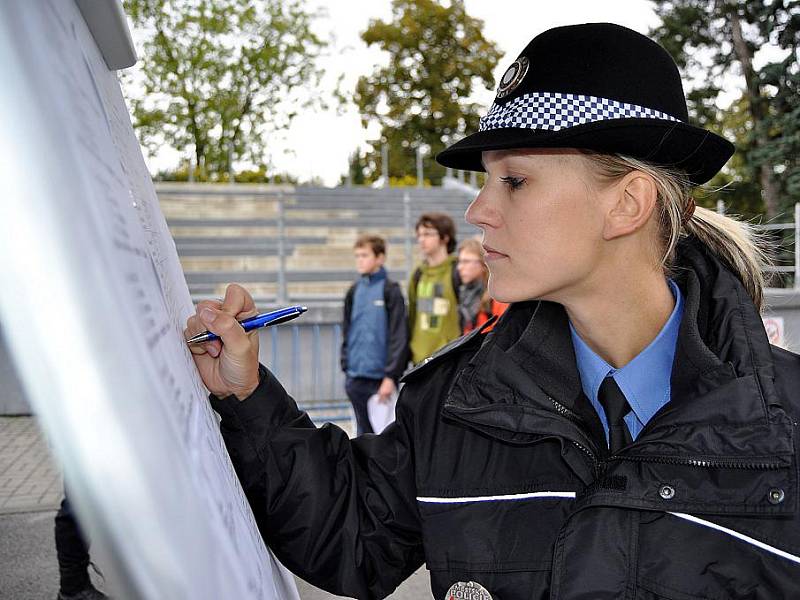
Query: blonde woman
[[475, 304], [625, 431]]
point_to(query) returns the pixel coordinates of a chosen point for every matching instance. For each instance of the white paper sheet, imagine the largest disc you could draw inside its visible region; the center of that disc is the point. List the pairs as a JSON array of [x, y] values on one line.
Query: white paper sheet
[[381, 414], [142, 446]]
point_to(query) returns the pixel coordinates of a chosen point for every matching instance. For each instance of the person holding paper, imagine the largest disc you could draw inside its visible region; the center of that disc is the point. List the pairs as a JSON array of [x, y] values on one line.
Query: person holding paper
[[374, 350], [625, 431]]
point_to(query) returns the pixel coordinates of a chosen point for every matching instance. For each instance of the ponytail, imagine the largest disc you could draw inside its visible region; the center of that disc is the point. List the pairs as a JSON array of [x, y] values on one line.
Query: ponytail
[[733, 241], [737, 244]]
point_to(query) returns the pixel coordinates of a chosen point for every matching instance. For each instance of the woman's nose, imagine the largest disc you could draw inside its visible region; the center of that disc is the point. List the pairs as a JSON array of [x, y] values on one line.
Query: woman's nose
[[479, 212]]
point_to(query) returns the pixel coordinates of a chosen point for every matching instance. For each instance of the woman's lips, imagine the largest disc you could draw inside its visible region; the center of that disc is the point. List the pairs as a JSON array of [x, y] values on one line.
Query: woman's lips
[[492, 254]]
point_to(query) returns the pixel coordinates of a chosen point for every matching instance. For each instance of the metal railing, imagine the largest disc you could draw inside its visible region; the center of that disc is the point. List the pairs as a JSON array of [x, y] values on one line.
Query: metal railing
[[315, 375], [783, 240]]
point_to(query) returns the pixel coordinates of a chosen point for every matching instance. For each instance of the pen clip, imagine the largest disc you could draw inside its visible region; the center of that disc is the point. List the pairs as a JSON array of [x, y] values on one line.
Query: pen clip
[[282, 319]]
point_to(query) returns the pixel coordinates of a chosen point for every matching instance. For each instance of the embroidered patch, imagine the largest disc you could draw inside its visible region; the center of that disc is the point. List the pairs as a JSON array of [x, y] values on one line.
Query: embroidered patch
[[513, 77], [467, 591]]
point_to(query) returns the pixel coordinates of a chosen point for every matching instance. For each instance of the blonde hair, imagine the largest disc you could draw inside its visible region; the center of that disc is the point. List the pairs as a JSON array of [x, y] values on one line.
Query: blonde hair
[[734, 241], [472, 245]]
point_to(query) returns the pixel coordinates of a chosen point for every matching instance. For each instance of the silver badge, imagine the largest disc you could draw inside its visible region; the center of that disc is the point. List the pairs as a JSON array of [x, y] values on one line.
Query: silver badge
[[513, 77], [467, 591]]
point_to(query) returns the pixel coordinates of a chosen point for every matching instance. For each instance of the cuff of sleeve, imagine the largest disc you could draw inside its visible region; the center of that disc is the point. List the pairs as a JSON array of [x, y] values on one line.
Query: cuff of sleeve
[[269, 405]]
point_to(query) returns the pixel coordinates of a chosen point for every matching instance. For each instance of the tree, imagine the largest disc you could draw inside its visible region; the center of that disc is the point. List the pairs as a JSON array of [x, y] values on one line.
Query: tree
[[220, 74], [437, 57], [709, 38], [357, 169]]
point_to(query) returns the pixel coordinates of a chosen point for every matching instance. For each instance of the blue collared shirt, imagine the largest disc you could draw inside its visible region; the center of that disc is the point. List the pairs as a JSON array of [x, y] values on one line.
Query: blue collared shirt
[[645, 380]]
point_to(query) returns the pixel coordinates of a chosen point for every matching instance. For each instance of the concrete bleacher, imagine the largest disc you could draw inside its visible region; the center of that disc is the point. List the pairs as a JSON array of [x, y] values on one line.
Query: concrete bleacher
[[227, 233]]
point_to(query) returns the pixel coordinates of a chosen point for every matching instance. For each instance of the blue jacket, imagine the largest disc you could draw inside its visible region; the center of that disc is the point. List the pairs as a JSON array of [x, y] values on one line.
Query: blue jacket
[[375, 329]]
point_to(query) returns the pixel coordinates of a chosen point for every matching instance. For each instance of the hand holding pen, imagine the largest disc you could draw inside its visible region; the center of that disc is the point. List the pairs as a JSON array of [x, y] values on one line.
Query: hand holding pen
[[275, 317], [228, 365]]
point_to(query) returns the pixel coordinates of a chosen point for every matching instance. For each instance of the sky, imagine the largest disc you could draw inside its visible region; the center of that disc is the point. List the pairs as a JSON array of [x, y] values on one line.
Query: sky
[[319, 143]]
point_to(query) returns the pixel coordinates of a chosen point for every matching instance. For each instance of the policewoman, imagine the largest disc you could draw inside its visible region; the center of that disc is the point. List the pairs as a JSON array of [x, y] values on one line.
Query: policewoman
[[625, 431]]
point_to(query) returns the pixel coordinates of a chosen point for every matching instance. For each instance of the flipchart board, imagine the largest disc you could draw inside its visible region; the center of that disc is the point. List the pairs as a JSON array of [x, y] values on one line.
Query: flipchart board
[[93, 302]]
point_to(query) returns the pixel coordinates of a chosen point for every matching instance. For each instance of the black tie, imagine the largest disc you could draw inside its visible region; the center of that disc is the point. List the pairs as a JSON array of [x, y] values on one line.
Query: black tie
[[616, 406]]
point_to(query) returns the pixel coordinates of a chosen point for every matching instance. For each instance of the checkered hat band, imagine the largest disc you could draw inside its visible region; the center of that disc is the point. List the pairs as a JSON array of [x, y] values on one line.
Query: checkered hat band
[[553, 111]]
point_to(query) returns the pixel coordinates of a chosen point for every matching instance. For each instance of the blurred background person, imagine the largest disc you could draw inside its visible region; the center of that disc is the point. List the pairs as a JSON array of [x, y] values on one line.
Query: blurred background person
[[374, 350], [72, 552], [475, 305], [433, 287]]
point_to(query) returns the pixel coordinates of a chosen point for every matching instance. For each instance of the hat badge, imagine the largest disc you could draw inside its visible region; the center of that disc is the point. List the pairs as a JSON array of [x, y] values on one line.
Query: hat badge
[[513, 76], [467, 591]]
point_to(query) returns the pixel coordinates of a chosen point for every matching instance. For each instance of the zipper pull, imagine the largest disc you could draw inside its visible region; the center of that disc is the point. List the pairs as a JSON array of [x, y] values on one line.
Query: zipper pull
[[600, 468]]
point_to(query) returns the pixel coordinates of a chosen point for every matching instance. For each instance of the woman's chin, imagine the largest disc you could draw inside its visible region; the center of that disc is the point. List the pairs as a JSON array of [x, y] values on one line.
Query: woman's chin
[[508, 291], [504, 293]]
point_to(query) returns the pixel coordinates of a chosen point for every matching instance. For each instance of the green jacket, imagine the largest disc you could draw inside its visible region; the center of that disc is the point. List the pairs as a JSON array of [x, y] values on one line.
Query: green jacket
[[432, 308]]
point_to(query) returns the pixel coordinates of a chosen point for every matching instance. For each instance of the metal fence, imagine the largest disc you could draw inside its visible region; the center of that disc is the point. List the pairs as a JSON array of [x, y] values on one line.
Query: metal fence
[[783, 239], [305, 358]]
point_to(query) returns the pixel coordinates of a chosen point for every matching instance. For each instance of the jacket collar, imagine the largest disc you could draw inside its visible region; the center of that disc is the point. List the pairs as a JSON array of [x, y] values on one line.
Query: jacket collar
[[524, 378], [378, 275]]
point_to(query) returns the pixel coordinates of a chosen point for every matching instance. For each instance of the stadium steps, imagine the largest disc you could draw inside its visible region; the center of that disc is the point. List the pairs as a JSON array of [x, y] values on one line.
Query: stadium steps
[[227, 233]]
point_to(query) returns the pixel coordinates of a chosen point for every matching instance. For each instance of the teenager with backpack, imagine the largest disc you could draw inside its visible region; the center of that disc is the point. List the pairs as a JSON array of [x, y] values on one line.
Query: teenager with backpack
[[374, 350], [433, 287]]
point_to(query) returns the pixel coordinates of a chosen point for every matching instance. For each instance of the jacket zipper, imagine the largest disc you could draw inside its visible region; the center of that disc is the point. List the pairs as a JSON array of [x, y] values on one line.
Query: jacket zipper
[[597, 465], [702, 462], [600, 465]]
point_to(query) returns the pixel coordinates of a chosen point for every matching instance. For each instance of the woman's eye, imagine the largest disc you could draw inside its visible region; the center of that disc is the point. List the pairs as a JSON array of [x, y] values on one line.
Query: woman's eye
[[513, 183]]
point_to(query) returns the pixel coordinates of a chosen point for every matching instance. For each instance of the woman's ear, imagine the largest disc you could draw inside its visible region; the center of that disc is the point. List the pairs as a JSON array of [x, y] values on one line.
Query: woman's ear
[[632, 201]]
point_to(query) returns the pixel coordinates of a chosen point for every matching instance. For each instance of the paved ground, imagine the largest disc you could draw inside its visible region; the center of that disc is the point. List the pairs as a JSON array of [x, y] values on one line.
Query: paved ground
[[28, 478], [30, 491]]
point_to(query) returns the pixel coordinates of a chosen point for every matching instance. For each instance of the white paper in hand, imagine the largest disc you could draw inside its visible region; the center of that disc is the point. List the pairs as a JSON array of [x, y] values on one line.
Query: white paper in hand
[[381, 413]]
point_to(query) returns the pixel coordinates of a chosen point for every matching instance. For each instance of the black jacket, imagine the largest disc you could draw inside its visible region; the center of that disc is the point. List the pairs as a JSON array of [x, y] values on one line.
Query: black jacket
[[397, 353], [494, 471]]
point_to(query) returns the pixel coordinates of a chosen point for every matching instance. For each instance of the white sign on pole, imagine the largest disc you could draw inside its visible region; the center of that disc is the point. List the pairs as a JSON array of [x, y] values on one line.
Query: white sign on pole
[[775, 330]]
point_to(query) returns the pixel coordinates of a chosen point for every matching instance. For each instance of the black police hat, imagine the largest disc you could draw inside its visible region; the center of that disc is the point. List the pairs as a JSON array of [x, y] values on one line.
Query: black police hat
[[596, 86]]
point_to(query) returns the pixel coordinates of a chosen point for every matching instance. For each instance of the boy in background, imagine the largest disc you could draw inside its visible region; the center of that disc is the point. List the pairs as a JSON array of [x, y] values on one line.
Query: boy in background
[[433, 287], [374, 331]]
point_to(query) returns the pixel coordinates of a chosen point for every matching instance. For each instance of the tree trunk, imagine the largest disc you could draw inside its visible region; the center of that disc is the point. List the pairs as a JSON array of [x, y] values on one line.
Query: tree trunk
[[758, 111], [770, 190]]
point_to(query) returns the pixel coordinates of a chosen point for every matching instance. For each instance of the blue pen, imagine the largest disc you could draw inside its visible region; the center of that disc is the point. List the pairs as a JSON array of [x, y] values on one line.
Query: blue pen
[[263, 320]]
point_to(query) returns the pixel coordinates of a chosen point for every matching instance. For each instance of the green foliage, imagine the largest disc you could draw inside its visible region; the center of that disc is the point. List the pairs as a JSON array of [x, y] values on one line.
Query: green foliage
[[737, 185], [437, 57], [764, 122], [357, 167], [221, 75]]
